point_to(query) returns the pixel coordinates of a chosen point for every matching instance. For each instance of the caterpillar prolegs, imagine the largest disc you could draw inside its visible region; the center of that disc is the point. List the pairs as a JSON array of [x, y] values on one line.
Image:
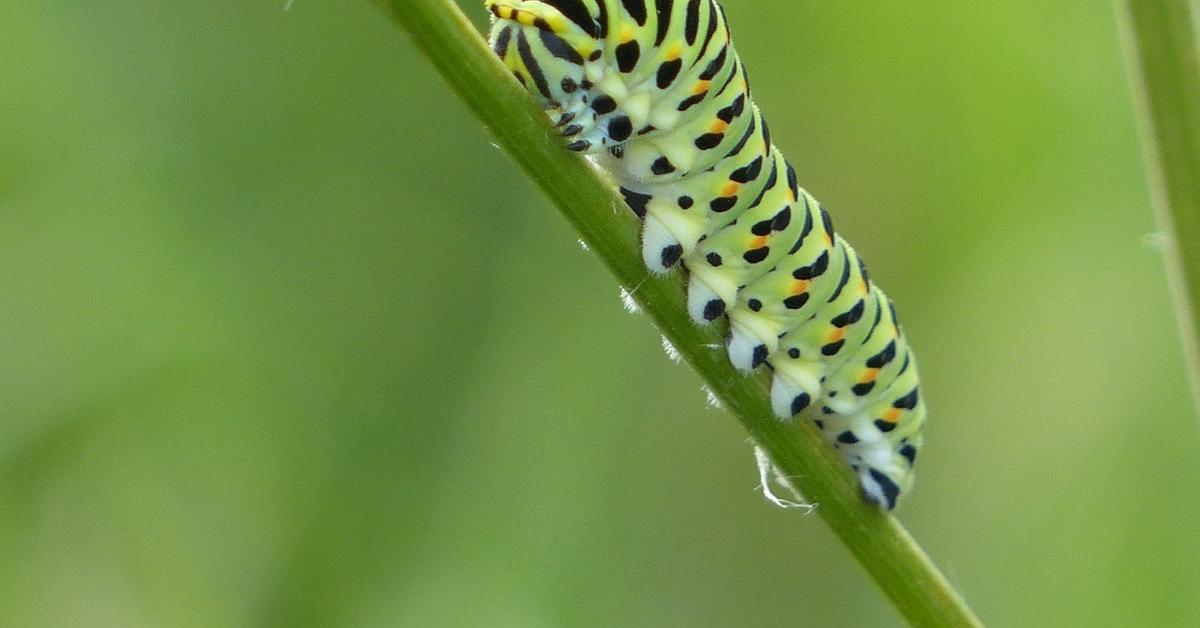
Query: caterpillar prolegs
[[654, 92]]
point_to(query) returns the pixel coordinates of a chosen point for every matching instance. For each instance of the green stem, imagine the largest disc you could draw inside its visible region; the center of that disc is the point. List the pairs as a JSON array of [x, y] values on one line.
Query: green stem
[[1164, 67], [897, 564]]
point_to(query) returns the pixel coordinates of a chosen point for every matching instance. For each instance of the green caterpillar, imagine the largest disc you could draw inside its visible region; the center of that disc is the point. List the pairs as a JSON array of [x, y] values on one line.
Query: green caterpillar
[[654, 92]]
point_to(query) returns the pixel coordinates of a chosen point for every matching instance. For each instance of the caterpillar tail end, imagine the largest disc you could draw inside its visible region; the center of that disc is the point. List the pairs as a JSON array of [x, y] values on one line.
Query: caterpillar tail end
[[885, 485]]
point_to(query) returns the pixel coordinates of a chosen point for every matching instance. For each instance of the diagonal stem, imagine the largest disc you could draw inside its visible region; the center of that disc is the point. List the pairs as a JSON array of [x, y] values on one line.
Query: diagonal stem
[[884, 548], [1164, 67]]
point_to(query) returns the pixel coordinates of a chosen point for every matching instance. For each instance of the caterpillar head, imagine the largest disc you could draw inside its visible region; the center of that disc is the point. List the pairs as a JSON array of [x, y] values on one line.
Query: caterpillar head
[[555, 48]]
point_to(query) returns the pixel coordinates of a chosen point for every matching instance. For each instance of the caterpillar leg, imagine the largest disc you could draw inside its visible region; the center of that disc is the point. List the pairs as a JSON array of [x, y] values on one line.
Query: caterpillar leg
[[794, 388], [708, 297], [751, 339]]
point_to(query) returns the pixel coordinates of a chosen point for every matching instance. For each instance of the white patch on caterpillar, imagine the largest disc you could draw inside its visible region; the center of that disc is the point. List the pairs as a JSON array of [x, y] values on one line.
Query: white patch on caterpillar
[[630, 304], [711, 397], [671, 351], [583, 245], [871, 489], [741, 349], [768, 473], [656, 239]]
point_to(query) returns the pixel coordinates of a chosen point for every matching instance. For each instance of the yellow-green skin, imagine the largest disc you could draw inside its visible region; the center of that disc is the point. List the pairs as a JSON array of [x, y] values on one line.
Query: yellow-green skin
[[654, 92]]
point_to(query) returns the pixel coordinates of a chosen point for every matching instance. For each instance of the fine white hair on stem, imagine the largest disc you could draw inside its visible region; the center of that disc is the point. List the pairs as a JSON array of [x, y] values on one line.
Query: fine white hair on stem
[[671, 351], [711, 397], [631, 304], [767, 473]]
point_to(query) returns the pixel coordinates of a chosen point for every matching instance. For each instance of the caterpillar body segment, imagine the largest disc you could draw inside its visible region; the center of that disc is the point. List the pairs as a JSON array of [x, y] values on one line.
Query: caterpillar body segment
[[655, 93]]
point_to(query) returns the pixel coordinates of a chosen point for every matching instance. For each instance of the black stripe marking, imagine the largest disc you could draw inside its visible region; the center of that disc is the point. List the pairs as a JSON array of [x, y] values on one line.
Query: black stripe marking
[[729, 79], [808, 225], [875, 324], [883, 358], [690, 101], [531, 64], [715, 65], [749, 172], [500, 47], [735, 108], [889, 488], [907, 361], [762, 227], [796, 301], [771, 181], [663, 9], [709, 141], [723, 203], [558, 47], [850, 316], [603, 19], [712, 28], [782, 219], [862, 388], [755, 256], [636, 201], [815, 269], [636, 9], [841, 282], [907, 402], [692, 22], [575, 11], [793, 184], [667, 73], [628, 54], [745, 137]]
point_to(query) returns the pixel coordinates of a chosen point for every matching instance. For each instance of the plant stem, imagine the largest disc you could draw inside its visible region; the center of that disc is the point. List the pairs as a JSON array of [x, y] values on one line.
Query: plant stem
[[891, 557], [1164, 67]]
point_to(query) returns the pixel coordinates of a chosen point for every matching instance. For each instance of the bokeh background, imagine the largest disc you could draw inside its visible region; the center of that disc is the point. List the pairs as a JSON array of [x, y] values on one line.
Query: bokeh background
[[286, 341]]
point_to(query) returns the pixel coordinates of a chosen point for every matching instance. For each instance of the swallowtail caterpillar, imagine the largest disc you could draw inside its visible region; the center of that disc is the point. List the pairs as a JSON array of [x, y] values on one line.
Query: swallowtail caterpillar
[[654, 92]]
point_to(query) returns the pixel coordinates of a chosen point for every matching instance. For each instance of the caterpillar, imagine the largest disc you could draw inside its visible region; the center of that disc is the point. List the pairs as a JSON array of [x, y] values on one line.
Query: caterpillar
[[655, 94]]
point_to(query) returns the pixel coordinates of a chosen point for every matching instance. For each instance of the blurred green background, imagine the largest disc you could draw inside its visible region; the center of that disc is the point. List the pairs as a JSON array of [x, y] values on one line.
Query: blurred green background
[[288, 342]]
